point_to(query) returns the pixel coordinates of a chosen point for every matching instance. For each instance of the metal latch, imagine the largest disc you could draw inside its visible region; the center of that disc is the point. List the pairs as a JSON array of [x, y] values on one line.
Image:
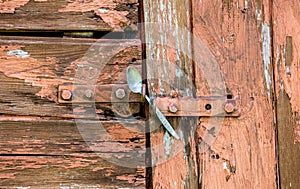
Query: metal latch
[[179, 106], [135, 92]]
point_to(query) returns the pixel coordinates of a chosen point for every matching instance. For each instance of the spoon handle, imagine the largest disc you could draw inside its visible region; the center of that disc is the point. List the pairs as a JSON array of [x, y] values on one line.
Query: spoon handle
[[163, 120]]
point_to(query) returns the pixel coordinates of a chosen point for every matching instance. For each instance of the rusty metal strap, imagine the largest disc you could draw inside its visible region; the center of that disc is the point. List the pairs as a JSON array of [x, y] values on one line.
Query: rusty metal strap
[[183, 106]]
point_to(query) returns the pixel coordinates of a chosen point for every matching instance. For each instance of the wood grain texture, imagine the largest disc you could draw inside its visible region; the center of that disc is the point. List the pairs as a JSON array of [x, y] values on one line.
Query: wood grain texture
[[286, 27], [236, 152], [94, 15], [41, 144], [32, 68], [170, 69], [53, 154]]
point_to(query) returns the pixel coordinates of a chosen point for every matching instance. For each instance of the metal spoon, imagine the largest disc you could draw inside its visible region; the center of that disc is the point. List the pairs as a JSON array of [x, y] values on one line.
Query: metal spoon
[[134, 80]]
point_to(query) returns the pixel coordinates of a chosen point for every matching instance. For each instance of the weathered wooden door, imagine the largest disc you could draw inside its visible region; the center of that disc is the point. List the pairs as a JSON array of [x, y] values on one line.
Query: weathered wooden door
[[234, 49], [68, 119]]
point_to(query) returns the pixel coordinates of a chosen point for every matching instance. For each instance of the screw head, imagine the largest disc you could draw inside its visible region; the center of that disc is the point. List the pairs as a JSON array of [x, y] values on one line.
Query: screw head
[[173, 108], [120, 93], [89, 93], [66, 94], [229, 107]]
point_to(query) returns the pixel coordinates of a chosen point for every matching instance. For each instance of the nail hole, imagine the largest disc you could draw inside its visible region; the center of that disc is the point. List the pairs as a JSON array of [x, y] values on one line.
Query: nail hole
[[213, 157], [244, 10], [217, 156], [229, 96], [208, 107], [133, 60]]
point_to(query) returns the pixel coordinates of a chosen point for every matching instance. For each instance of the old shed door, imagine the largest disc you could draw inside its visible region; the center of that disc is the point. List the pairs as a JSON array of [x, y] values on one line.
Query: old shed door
[[65, 116], [230, 49]]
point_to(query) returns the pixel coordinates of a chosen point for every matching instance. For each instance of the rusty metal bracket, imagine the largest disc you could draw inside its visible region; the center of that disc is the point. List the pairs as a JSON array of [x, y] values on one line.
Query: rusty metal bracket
[[201, 106], [77, 94], [180, 106]]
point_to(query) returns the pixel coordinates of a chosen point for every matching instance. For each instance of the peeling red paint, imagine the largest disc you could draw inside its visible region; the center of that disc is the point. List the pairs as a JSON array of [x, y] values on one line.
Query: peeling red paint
[[129, 178], [7, 176], [116, 19], [11, 5], [48, 73], [287, 57], [33, 71], [105, 9]]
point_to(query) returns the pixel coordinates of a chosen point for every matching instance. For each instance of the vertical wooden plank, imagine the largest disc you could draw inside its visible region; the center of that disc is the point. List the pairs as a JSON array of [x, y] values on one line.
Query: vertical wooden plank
[[169, 68], [286, 16], [237, 153]]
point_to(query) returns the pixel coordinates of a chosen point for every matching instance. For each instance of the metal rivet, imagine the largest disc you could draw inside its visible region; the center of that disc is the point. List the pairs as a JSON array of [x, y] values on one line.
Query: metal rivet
[[208, 107], [229, 107], [89, 93], [66, 94], [173, 108], [120, 93]]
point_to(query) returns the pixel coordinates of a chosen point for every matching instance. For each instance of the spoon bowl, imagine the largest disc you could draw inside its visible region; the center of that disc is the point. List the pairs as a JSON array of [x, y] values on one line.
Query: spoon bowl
[[134, 79]]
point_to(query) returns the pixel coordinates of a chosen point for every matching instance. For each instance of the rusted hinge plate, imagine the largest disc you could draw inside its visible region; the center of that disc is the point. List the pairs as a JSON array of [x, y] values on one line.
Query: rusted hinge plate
[[96, 94], [201, 106], [184, 106]]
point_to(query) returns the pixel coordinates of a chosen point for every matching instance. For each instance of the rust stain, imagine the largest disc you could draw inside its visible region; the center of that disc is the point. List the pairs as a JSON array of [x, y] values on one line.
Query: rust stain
[[9, 6]]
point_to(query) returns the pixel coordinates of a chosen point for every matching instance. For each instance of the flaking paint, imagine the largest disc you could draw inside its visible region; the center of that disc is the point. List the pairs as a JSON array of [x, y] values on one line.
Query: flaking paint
[[266, 52]]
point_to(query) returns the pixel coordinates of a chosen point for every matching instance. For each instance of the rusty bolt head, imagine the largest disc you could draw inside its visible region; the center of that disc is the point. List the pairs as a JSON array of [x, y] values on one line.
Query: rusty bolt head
[[120, 93], [66, 94], [89, 93], [173, 108], [174, 93], [229, 107]]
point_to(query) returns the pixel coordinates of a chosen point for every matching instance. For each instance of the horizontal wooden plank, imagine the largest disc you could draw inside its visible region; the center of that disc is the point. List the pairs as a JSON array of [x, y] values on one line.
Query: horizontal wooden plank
[[92, 15], [31, 70], [57, 137], [66, 172], [49, 153]]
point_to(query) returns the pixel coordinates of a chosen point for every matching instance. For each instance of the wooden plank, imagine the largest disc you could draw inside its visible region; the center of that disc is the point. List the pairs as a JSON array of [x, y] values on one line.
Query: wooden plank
[[69, 15], [286, 40], [32, 68], [40, 153], [169, 67], [235, 38]]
